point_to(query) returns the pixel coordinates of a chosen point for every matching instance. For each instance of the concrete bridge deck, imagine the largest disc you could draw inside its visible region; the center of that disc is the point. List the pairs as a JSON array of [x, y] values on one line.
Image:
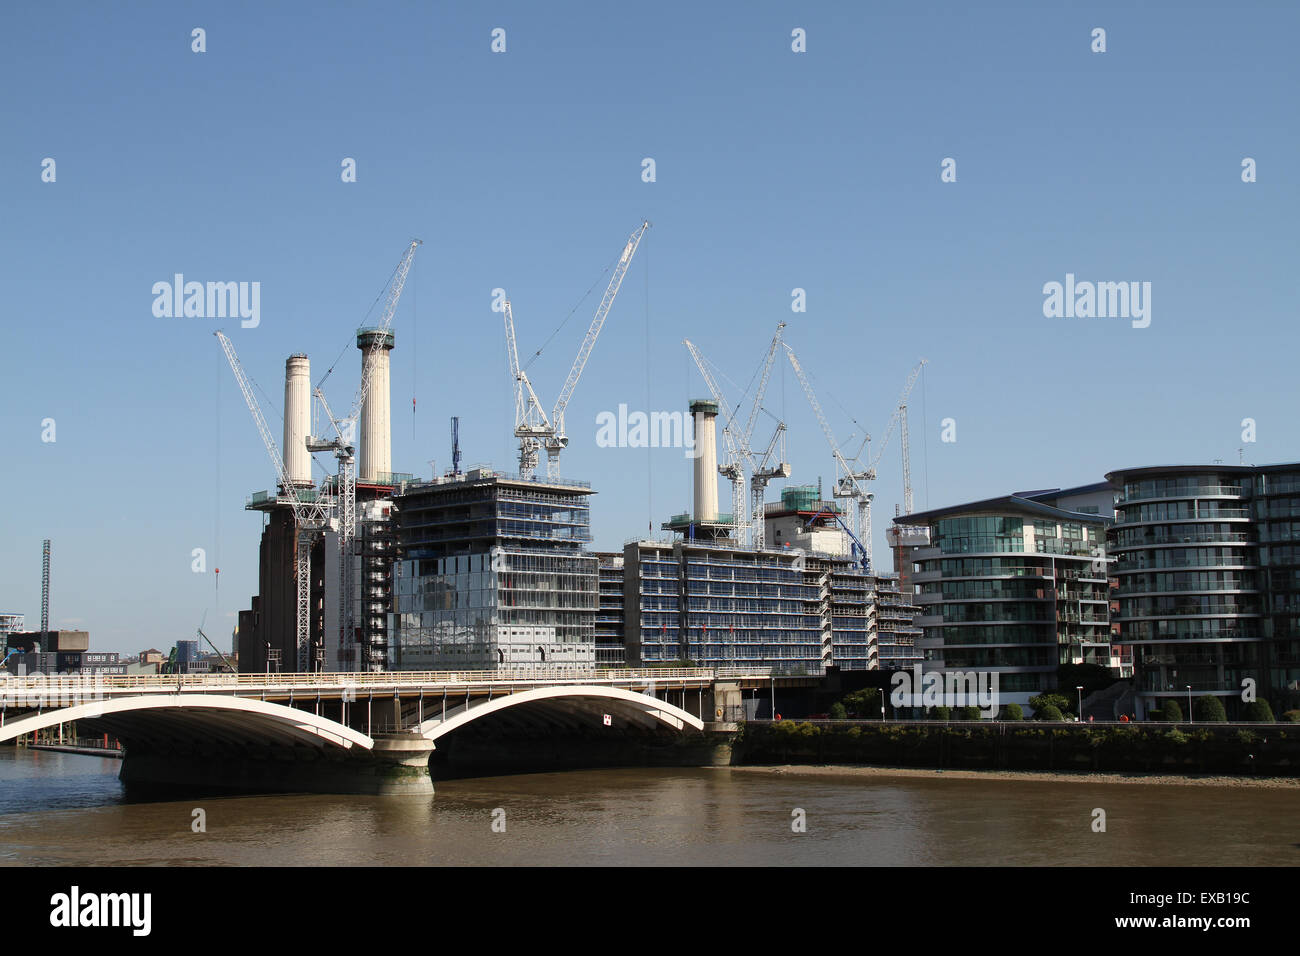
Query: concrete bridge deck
[[361, 732]]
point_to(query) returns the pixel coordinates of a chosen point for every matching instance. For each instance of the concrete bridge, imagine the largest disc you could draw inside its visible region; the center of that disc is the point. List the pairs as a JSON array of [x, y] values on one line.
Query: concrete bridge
[[376, 732]]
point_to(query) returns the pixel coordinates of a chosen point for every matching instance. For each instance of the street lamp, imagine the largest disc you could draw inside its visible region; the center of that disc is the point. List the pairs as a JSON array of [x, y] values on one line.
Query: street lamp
[[1079, 689], [1190, 718]]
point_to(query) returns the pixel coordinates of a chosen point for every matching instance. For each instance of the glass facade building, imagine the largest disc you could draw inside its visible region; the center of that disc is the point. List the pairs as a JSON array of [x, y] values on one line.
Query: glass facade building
[[492, 570], [716, 604], [609, 612], [1015, 586], [1206, 563]]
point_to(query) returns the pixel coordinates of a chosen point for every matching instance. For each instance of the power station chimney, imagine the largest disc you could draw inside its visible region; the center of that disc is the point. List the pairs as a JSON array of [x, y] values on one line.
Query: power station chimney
[[297, 418], [706, 459], [375, 462]]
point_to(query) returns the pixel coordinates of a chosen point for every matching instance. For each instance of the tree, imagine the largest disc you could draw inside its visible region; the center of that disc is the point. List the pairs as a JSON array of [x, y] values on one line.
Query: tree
[[1171, 712], [1258, 711], [1209, 710], [863, 703], [1059, 701], [1013, 712], [1048, 712]]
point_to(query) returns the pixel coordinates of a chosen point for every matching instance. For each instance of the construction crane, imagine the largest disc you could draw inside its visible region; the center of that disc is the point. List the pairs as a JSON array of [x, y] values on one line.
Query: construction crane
[[732, 466], [740, 451], [533, 427], [455, 445], [531, 422], [897, 420], [760, 471], [860, 550], [344, 449], [849, 476], [312, 512]]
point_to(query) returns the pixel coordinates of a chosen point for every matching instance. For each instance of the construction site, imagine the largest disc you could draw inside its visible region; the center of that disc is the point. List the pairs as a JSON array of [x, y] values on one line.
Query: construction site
[[372, 569]]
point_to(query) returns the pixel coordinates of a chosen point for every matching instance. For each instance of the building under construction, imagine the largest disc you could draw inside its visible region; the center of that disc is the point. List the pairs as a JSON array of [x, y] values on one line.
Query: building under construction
[[799, 600], [493, 570], [478, 569], [268, 628]]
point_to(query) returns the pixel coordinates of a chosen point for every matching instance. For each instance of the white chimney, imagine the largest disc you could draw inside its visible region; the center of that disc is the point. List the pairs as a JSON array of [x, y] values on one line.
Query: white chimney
[[375, 461], [706, 459], [297, 419]]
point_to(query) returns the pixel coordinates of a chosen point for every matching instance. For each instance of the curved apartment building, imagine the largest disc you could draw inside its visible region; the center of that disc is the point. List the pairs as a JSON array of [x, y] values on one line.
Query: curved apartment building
[[1015, 586], [1206, 565]]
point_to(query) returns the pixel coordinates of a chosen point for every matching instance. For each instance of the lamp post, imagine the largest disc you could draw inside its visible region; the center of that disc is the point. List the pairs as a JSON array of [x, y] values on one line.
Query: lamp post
[[1190, 718], [1079, 689]]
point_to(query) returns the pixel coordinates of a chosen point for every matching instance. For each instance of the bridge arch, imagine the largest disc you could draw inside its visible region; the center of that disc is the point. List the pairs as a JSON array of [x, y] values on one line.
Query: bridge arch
[[236, 720], [634, 708]]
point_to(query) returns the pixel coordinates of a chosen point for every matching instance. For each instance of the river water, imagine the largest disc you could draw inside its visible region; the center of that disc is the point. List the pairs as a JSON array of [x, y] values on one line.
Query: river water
[[70, 809]]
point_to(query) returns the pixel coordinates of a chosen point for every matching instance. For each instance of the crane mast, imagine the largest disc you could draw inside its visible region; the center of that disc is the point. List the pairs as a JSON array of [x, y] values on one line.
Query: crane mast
[[531, 423], [760, 472], [897, 420], [312, 513], [346, 484]]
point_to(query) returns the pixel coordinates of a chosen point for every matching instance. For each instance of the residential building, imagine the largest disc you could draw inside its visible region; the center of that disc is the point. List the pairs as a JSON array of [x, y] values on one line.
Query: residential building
[[609, 612], [1016, 585], [1208, 570]]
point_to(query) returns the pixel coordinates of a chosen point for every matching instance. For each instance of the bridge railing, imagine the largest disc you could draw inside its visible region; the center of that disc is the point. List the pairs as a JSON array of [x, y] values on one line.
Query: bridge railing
[[383, 678]]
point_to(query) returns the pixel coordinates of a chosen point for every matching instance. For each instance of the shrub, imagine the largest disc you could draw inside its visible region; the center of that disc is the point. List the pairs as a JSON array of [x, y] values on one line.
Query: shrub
[[1292, 716], [838, 712], [1171, 712], [1013, 712], [1059, 701], [1176, 736], [971, 713], [1258, 711], [863, 703], [1209, 710], [1049, 712], [943, 713]]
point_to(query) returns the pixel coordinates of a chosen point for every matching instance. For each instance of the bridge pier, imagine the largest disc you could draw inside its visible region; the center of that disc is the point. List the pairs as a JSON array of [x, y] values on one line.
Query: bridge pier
[[398, 766]]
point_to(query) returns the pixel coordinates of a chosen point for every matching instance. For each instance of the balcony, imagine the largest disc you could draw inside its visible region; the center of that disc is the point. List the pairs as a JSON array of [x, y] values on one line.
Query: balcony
[[1179, 490]]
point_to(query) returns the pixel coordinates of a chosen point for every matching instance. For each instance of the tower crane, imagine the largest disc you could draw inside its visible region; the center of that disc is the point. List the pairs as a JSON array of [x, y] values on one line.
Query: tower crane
[[897, 420], [312, 512], [740, 451], [534, 429], [531, 422], [849, 476], [344, 448], [760, 471]]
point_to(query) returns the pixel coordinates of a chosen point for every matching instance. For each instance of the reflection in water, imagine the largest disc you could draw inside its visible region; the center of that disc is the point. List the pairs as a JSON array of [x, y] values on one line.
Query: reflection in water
[[68, 809]]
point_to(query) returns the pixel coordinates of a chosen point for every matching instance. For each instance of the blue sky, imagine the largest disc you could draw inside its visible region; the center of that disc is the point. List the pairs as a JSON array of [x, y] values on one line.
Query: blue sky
[[522, 170]]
